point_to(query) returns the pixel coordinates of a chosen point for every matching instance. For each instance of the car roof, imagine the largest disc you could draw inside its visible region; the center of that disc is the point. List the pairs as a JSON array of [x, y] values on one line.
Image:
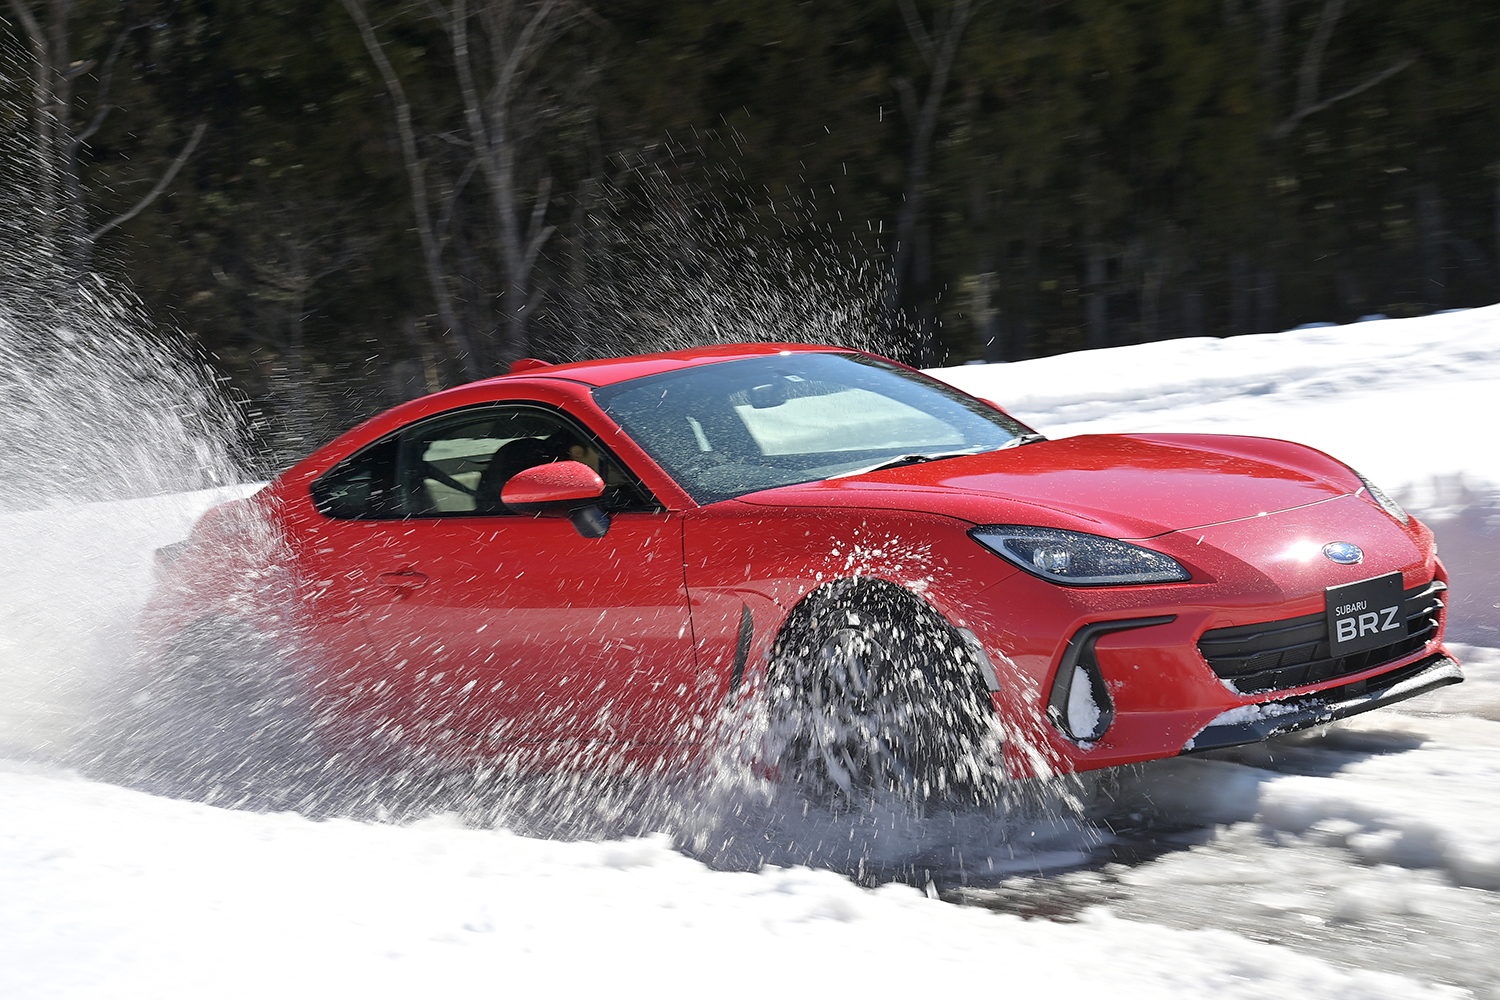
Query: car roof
[[608, 371]]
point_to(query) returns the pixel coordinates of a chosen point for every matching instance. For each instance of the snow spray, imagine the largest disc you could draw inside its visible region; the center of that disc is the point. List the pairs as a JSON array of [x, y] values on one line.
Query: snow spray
[[114, 440]]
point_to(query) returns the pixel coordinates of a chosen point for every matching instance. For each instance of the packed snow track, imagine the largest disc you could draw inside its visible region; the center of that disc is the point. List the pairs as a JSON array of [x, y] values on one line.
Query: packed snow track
[[1358, 861]]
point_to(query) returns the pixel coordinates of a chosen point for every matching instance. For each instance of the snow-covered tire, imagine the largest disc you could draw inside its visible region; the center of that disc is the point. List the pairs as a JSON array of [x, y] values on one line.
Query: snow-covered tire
[[872, 693]]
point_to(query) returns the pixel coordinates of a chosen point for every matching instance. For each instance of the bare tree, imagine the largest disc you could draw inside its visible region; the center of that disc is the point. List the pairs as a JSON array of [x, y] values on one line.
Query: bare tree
[[1495, 172], [306, 240], [1292, 98], [937, 46], [496, 47], [431, 232], [513, 33], [1308, 99], [58, 142]]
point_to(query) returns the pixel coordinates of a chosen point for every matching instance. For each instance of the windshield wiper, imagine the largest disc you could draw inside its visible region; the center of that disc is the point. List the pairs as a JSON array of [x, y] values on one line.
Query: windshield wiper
[[901, 460], [916, 458], [1030, 437]]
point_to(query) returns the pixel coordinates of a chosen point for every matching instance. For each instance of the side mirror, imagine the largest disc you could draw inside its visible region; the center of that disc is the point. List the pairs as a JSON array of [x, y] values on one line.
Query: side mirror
[[554, 483], [571, 486]]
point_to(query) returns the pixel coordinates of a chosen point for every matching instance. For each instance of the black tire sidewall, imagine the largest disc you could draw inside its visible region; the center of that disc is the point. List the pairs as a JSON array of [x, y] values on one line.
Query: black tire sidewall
[[921, 732]]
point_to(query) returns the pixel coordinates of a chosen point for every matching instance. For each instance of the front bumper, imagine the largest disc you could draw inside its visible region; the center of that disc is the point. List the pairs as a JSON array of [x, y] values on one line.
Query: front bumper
[[1147, 689], [1261, 721]]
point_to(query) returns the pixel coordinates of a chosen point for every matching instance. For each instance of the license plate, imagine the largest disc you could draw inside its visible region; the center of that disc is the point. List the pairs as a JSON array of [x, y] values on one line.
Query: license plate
[[1366, 615]]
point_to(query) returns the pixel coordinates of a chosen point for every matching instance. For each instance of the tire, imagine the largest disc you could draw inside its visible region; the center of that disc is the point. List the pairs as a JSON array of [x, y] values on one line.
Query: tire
[[227, 718], [873, 694]]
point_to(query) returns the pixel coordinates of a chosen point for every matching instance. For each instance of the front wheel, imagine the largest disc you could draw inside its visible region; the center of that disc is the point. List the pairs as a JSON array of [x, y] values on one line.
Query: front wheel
[[873, 693]]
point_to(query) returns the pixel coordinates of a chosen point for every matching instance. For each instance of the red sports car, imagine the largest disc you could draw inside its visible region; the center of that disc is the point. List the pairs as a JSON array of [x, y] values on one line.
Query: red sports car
[[594, 563]]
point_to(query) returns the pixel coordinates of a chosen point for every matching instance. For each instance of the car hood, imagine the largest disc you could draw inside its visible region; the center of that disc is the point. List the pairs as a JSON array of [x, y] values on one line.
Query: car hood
[[1126, 486]]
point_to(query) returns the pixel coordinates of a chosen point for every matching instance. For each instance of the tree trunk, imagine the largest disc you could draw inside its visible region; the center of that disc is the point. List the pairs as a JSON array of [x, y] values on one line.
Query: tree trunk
[[938, 53], [438, 281], [1030, 324], [301, 422], [1497, 228], [1433, 237], [1151, 304], [986, 312], [1267, 307], [61, 202], [1096, 296], [59, 196], [1239, 293], [1192, 309], [1272, 43], [514, 38]]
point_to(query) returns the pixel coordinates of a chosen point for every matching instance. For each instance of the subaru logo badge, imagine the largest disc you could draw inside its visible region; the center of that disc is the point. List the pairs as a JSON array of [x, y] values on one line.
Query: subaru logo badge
[[1344, 553]]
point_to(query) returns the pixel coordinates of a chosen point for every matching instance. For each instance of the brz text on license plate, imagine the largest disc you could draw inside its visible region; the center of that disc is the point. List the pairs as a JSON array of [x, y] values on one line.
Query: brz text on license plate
[[1365, 615]]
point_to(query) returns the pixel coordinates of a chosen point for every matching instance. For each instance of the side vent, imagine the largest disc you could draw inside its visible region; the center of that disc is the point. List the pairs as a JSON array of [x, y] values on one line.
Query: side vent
[[742, 649], [1079, 705]]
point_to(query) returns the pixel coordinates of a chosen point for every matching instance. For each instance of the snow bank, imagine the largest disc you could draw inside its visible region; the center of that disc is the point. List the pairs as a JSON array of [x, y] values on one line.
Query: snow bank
[[1403, 401], [1360, 785], [113, 893], [1433, 809], [1372, 843]]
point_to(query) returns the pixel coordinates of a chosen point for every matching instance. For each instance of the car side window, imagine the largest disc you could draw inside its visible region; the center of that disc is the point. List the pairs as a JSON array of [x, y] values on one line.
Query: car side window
[[361, 487], [457, 464], [442, 464]]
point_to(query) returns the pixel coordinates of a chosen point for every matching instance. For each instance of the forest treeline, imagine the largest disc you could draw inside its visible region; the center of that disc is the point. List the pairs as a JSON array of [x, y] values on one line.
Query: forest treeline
[[394, 196]]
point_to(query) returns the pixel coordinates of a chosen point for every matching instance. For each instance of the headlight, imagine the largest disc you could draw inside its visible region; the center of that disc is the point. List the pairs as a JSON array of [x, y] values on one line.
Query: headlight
[[1078, 559], [1390, 506]]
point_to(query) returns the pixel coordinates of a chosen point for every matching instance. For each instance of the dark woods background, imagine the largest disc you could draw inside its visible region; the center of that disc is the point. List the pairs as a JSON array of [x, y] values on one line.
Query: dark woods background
[[350, 202]]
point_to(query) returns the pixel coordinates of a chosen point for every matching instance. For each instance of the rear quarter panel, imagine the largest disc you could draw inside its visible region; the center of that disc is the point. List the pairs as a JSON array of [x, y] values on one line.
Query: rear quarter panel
[[233, 565]]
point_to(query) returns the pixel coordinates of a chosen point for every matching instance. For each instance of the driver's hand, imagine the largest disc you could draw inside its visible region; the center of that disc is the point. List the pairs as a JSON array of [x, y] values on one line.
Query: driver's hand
[[583, 453]]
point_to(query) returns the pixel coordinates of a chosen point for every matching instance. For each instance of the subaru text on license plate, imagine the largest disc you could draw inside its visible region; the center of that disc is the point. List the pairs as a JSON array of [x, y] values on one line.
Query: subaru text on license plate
[[1365, 615]]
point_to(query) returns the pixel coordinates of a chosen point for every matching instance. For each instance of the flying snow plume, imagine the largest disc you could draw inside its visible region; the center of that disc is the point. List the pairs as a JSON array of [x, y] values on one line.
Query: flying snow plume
[[663, 270], [98, 405], [114, 441], [102, 411]]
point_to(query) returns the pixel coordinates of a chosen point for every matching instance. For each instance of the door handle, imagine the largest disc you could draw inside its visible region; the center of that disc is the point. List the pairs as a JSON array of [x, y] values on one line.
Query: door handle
[[407, 579]]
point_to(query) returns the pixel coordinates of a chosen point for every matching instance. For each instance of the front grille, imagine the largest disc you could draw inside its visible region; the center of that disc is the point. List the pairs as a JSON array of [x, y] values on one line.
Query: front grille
[[1275, 656]]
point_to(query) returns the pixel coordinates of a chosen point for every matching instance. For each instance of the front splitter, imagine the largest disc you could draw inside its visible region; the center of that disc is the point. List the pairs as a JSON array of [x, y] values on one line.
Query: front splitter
[[1254, 723]]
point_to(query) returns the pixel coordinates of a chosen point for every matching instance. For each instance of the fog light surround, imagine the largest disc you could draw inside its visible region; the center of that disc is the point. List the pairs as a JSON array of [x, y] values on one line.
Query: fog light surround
[[1079, 704]]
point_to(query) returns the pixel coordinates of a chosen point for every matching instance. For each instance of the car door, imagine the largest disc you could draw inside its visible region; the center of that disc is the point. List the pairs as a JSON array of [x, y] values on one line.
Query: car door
[[497, 628]]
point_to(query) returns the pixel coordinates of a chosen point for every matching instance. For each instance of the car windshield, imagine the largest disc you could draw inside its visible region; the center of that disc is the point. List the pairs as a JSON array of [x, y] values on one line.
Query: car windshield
[[723, 430]]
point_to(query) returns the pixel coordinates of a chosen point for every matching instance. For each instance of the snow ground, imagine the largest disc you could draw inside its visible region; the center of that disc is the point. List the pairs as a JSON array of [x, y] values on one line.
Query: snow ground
[[1361, 861], [112, 893], [1371, 844], [71, 582]]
